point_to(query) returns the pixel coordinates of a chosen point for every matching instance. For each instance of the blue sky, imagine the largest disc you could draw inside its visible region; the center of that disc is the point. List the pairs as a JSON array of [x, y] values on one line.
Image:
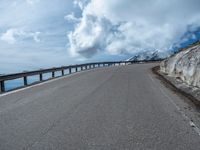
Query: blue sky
[[41, 33], [33, 34]]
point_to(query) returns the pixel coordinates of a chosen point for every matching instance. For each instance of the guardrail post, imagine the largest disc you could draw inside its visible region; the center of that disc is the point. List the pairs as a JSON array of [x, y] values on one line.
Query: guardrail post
[[76, 69], [2, 86], [98, 65], [81, 68], [25, 81], [70, 70], [63, 73], [41, 77], [93, 65], [53, 74], [90, 67]]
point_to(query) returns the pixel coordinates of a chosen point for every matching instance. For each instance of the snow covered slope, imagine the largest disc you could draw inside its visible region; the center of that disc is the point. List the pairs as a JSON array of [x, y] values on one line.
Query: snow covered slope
[[184, 65], [149, 55]]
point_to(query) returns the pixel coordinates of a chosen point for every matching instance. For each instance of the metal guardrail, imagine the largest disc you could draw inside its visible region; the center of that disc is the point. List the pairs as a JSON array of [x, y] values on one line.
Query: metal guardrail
[[41, 72]]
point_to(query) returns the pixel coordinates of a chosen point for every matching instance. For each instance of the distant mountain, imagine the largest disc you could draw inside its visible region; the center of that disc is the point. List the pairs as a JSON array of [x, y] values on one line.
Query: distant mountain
[[149, 55]]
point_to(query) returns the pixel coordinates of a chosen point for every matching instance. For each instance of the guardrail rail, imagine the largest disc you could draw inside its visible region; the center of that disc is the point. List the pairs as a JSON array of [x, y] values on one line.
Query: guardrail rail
[[41, 72]]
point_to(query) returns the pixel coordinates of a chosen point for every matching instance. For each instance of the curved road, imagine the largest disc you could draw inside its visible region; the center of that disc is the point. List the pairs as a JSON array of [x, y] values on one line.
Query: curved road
[[116, 108]]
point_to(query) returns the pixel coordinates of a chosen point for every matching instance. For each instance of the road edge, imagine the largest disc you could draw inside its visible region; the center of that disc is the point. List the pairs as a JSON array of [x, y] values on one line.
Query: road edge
[[175, 89]]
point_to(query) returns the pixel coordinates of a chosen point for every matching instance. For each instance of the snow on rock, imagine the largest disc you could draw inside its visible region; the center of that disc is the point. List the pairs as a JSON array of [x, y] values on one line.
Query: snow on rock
[[184, 65], [149, 55]]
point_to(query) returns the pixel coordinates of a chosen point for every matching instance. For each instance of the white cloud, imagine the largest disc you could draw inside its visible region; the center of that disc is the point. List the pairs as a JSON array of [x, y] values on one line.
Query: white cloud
[[13, 35], [31, 2], [71, 18], [8, 37], [80, 3], [130, 26], [89, 36]]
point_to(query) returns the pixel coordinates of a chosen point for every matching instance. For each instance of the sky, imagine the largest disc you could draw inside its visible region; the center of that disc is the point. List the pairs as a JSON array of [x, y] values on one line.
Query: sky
[[38, 34]]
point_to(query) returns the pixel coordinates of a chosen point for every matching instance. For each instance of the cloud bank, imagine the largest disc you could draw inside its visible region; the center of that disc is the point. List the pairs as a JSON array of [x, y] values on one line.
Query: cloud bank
[[131, 26], [11, 36]]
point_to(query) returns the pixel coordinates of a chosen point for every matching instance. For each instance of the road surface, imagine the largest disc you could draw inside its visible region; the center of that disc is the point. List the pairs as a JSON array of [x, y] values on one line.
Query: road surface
[[116, 108]]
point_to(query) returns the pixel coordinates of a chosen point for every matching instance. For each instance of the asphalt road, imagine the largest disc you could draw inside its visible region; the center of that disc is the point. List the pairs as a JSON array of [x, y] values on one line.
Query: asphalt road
[[116, 108]]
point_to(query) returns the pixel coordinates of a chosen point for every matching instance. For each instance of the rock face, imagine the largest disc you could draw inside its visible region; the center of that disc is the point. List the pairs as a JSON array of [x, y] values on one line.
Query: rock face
[[184, 65]]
